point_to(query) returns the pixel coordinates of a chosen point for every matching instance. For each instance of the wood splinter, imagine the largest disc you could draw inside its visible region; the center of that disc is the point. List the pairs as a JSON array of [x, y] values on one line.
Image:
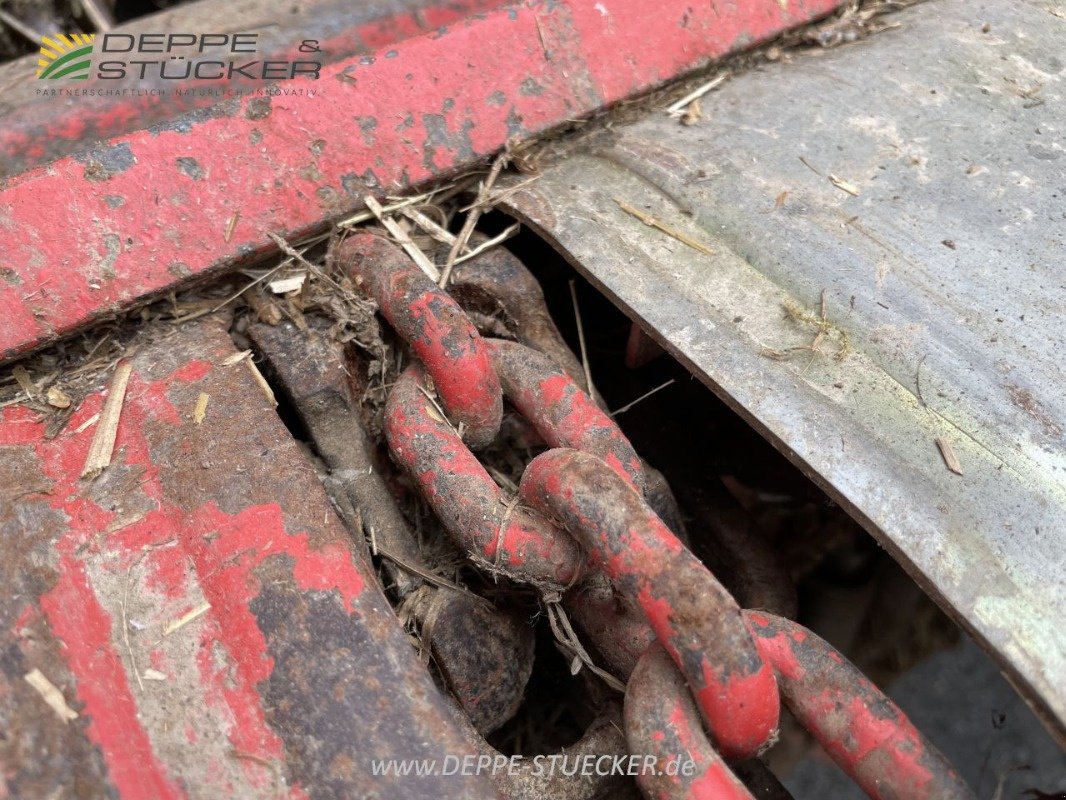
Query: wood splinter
[[103, 443]]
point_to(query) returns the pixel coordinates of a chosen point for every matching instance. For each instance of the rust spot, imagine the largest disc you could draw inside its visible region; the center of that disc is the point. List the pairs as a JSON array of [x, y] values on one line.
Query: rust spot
[[339, 696], [353, 185], [531, 88], [191, 167], [258, 108], [187, 121], [103, 163], [1024, 400], [42, 755], [367, 125], [328, 196]]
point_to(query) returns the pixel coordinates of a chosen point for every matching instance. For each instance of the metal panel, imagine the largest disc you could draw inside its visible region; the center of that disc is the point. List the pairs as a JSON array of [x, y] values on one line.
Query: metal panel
[[198, 607], [35, 130], [917, 179], [95, 232]]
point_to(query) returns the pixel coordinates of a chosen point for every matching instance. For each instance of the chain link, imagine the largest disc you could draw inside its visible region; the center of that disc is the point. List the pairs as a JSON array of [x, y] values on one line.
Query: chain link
[[697, 661]]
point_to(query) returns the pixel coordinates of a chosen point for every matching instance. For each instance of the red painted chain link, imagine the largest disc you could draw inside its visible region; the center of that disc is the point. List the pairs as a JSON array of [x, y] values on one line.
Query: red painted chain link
[[694, 618], [439, 332], [701, 655], [465, 497], [862, 730], [662, 720], [563, 414]]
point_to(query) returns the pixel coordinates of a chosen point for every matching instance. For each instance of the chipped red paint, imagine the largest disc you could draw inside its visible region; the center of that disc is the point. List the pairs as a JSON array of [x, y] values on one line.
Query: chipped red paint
[[465, 497], [432, 323], [42, 131], [86, 629], [498, 281], [78, 620], [560, 411], [857, 725], [271, 561], [436, 103], [662, 720], [693, 617]]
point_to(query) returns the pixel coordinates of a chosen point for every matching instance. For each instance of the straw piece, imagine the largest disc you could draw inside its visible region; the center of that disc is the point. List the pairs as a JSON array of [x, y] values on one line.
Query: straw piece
[[50, 694], [948, 454], [103, 443], [406, 242], [185, 619]]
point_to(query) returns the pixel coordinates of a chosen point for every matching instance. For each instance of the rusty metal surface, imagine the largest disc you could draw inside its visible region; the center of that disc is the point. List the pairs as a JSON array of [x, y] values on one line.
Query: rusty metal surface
[[497, 281], [485, 654], [710, 665], [462, 493], [662, 720], [309, 367], [693, 617], [433, 324], [35, 130], [146, 211], [563, 414], [288, 671], [939, 267], [858, 726]]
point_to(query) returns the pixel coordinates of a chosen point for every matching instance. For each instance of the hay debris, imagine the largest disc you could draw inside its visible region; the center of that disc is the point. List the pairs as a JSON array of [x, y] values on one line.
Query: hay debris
[[103, 443], [185, 619], [50, 693], [654, 222]]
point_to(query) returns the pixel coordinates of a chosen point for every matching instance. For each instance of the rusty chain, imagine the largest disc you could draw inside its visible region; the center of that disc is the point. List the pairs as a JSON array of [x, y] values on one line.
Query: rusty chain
[[694, 661]]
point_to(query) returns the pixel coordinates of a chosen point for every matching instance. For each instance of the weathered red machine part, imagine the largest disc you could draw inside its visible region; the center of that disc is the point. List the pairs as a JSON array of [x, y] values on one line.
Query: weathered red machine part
[[857, 725], [484, 653], [197, 573], [431, 322], [163, 201]]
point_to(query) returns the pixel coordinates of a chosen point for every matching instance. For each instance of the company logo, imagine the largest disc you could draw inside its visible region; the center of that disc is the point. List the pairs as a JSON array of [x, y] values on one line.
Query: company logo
[[66, 55], [172, 57]]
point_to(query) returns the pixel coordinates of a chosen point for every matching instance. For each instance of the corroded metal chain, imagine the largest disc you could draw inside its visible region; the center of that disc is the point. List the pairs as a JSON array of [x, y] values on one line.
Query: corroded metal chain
[[694, 660]]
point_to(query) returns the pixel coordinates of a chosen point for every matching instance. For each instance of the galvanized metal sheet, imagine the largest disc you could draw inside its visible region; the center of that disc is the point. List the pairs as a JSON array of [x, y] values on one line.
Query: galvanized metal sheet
[[916, 179]]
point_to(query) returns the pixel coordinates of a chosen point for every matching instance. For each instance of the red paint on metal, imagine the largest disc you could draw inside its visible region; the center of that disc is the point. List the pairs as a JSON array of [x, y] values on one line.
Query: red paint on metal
[[465, 497], [77, 618], [859, 727], [441, 101], [225, 549], [560, 411], [431, 322], [693, 617], [36, 133], [623, 46], [662, 720]]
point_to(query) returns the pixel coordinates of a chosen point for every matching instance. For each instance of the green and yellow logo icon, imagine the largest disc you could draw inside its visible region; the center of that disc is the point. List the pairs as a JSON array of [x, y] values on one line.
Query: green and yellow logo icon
[[66, 55]]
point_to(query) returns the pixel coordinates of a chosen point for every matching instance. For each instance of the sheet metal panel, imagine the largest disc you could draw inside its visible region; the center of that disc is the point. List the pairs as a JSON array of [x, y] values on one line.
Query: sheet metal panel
[[918, 180]]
